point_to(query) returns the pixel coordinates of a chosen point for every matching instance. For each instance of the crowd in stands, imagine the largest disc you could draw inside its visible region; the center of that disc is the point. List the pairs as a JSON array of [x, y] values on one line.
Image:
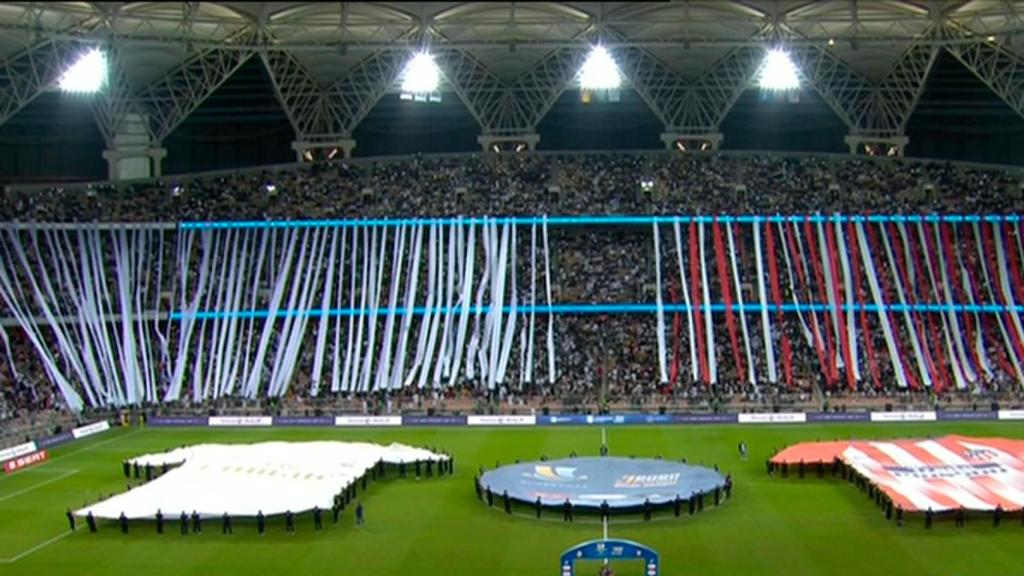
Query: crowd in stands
[[602, 358]]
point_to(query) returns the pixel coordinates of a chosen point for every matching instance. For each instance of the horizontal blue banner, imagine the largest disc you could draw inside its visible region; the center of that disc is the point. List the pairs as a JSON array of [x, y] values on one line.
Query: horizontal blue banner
[[639, 308], [177, 421], [602, 220], [57, 440], [967, 415], [838, 417], [303, 420], [433, 420]]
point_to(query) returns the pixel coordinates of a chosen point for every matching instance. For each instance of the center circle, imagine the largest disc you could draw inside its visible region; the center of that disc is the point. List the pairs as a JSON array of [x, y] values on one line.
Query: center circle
[[590, 481]]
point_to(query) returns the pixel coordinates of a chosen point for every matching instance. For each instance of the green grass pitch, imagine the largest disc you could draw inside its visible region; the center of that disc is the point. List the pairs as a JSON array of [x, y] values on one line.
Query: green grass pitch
[[437, 527]]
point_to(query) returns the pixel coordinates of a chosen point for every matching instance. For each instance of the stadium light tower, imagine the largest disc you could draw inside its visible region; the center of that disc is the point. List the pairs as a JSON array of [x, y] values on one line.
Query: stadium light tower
[[778, 72], [421, 79], [600, 72], [87, 75]]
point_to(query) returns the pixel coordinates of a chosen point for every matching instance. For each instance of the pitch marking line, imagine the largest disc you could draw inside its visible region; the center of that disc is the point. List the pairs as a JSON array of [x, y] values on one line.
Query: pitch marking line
[[39, 484], [35, 548]]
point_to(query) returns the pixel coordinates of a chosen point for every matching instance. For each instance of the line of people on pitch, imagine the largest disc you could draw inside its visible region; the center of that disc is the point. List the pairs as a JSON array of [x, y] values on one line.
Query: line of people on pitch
[[879, 496], [151, 472]]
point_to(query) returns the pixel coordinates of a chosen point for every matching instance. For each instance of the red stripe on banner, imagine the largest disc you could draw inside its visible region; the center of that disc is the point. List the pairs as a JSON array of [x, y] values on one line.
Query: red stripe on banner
[[831, 369], [773, 270], [1015, 341], [942, 368], [933, 255], [695, 283], [953, 268], [677, 335], [908, 373], [730, 316], [988, 327], [805, 286], [1014, 257], [910, 289], [865, 326], [840, 298]]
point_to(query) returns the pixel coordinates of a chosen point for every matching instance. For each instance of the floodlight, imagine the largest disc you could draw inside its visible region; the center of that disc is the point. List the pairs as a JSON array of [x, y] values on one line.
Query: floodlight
[[599, 72], [421, 75], [87, 75], [778, 72]]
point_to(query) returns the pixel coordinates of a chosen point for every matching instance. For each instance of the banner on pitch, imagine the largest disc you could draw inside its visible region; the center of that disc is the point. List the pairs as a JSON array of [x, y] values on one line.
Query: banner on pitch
[[941, 473]]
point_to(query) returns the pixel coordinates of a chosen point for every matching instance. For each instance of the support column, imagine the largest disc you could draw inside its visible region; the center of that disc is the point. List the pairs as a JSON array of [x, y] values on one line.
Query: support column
[[514, 143], [692, 142], [862, 145], [322, 149], [133, 154]]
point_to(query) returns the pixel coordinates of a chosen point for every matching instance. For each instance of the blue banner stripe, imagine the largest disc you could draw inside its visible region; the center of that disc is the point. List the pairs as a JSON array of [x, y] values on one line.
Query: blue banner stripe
[[602, 220], [604, 309]]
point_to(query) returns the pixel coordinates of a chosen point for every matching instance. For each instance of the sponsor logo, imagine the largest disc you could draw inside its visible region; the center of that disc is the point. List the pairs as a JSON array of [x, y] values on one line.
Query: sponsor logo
[[647, 480], [903, 416], [25, 461], [558, 474], [779, 418], [949, 471], [501, 420], [1011, 414], [15, 451], [980, 454], [89, 430], [367, 420], [241, 421]]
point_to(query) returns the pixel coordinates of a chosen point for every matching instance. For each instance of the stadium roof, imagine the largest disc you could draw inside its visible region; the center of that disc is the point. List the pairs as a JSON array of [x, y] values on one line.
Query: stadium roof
[[507, 61]]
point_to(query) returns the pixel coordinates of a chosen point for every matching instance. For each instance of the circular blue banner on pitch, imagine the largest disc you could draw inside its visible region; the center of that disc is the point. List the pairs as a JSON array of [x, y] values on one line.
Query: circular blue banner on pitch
[[622, 482]]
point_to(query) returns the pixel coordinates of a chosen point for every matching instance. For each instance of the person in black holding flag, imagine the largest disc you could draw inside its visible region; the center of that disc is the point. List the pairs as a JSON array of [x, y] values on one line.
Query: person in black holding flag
[[700, 501], [677, 505], [508, 502], [149, 472], [997, 516], [537, 506], [225, 527], [567, 511], [135, 469], [91, 521], [647, 510], [197, 523], [604, 510], [928, 514], [261, 523], [430, 468], [289, 521], [417, 469], [124, 523], [127, 469], [159, 521], [899, 516], [71, 519], [490, 496], [961, 517], [335, 511], [728, 485], [718, 495], [692, 501], [360, 514], [184, 523], [401, 469], [318, 519]]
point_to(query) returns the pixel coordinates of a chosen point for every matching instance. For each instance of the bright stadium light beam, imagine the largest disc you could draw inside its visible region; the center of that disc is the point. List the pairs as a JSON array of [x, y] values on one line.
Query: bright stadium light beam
[[599, 72], [778, 72], [421, 75], [87, 75]]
